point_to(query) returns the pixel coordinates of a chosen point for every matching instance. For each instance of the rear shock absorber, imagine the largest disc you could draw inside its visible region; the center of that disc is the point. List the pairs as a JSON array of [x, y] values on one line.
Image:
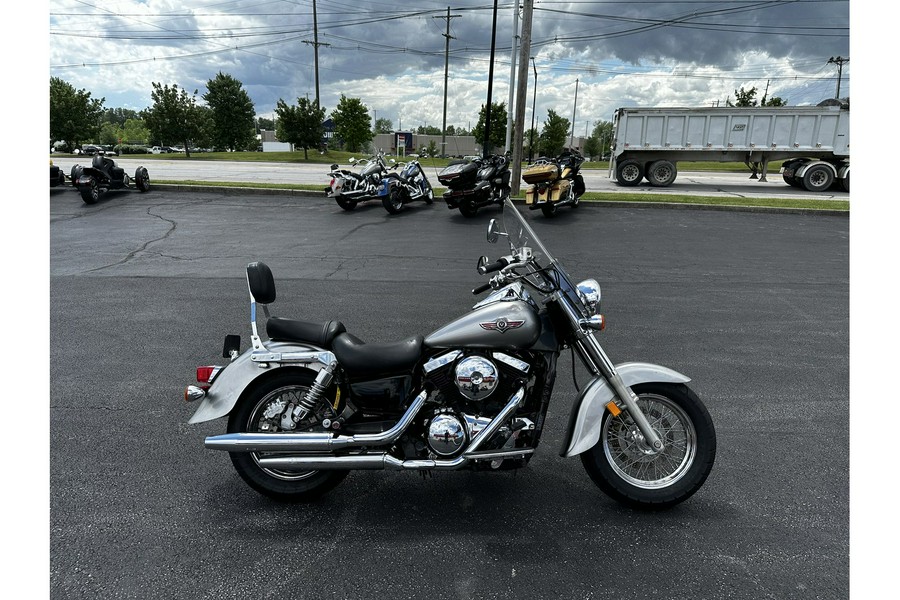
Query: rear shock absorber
[[315, 393]]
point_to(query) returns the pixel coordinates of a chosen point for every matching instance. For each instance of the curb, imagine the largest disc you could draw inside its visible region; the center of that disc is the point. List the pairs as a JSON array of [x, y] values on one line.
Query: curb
[[251, 191]]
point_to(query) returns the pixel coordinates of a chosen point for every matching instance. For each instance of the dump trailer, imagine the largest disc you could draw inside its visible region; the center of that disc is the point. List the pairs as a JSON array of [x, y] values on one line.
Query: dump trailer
[[813, 142]]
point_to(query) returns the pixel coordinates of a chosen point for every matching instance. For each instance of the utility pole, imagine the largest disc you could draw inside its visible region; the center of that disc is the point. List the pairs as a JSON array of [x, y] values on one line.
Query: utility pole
[[533, 109], [522, 85], [315, 44], [487, 109], [839, 61], [446, 72], [574, 108], [512, 77]]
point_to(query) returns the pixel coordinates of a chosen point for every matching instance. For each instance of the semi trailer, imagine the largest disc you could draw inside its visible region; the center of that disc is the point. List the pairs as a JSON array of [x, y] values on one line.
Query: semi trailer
[[813, 142]]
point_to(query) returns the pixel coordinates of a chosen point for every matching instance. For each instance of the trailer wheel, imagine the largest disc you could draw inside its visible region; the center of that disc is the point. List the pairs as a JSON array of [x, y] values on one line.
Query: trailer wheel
[[845, 183], [629, 172], [661, 173], [818, 178]]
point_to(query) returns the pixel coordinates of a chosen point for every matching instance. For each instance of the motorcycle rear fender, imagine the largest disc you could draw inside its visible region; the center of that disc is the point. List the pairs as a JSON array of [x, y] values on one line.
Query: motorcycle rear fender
[[587, 412], [231, 382]]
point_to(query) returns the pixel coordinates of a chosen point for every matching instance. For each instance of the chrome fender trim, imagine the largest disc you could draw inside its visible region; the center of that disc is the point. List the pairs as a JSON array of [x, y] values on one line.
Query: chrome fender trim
[[227, 387], [584, 422]]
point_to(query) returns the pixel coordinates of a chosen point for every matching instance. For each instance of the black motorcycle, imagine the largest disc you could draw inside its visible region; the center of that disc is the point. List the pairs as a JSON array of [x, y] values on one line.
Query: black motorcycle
[[475, 184], [554, 182], [104, 175], [349, 188]]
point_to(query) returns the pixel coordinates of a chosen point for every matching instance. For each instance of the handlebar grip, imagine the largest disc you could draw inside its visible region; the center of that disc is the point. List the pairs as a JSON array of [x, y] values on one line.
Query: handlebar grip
[[496, 266], [481, 288]]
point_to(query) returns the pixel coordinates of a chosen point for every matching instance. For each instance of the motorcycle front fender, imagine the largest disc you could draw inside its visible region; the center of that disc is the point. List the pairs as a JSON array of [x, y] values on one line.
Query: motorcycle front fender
[[228, 386], [587, 412]]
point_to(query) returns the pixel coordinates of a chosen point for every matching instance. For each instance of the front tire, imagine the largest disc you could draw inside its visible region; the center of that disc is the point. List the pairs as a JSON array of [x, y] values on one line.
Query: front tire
[[259, 410], [624, 468], [90, 193]]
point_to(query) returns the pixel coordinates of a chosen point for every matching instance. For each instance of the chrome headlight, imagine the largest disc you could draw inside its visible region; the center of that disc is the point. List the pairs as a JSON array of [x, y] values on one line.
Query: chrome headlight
[[589, 292]]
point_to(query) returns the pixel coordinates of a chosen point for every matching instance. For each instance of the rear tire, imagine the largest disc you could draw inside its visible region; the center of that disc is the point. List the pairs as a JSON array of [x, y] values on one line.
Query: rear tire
[[629, 173], [468, 208], [345, 203], [249, 416], [661, 173], [622, 466], [818, 178], [142, 179], [549, 209], [393, 202]]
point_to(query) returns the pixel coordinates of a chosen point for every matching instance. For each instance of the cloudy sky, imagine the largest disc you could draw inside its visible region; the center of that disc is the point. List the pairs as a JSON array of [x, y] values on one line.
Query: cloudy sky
[[391, 55]]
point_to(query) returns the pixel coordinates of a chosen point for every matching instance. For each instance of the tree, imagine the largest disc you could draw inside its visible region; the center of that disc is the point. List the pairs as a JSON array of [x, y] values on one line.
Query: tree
[[598, 143], [118, 116], [264, 123], [553, 134], [384, 126], [74, 115], [774, 101], [352, 123], [300, 125], [498, 127], [174, 116], [744, 98], [428, 130], [430, 150], [134, 132], [232, 112]]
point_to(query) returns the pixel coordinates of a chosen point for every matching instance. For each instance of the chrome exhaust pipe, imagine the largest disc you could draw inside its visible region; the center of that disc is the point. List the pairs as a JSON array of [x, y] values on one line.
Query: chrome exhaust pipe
[[313, 442], [383, 460]]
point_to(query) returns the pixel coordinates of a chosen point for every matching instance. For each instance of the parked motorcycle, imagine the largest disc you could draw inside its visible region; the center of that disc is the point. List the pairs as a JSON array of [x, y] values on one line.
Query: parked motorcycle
[[396, 190], [477, 183], [555, 182], [349, 188], [313, 402], [104, 175]]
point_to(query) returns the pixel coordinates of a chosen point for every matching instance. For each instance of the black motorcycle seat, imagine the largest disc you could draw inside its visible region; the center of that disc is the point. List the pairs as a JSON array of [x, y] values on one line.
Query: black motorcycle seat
[[317, 334], [360, 359]]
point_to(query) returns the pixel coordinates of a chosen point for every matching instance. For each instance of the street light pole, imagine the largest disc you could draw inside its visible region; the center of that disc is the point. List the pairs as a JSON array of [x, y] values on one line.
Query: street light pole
[[533, 100]]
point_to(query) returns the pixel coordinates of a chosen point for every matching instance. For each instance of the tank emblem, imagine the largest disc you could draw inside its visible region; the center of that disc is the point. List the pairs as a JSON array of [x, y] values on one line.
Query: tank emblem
[[502, 325]]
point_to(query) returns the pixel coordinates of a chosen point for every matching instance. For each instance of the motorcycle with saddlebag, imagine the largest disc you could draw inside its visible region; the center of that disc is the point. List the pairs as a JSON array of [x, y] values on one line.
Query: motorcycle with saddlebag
[[554, 182], [475, 184], [313, 402]]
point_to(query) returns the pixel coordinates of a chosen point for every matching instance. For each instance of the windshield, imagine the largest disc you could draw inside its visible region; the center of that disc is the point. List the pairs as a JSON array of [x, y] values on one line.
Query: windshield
[[521, 234]]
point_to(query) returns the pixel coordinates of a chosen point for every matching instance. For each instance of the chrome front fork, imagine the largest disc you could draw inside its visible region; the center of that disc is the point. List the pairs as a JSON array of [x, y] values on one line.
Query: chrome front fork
[[598, 363], [596, 360]]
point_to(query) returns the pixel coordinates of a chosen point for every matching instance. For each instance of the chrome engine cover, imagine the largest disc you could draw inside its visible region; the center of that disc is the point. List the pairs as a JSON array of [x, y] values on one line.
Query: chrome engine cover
[[476, 377], [446, 435]]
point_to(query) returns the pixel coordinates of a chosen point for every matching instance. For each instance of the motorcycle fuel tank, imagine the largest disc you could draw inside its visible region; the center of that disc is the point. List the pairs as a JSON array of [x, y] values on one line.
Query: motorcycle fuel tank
[[512, 324]]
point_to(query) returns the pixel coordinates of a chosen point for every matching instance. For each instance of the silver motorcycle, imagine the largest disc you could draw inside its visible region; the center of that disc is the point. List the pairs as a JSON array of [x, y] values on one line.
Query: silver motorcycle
[[349, 189], [312, 402]]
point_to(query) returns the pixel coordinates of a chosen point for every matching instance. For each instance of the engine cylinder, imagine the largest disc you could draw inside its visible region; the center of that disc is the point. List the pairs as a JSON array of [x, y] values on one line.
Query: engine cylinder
[[476, 377]]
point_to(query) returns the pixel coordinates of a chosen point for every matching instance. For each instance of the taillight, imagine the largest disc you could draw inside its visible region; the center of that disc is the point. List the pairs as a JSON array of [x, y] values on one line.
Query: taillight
[[207, 374]]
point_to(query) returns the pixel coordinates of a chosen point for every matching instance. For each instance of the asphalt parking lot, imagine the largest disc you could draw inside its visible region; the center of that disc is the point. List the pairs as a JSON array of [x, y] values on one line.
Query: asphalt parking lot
[[754, 306]]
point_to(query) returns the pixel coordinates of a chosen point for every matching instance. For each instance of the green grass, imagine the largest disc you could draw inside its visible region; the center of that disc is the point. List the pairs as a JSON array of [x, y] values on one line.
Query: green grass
[[786, 203]]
